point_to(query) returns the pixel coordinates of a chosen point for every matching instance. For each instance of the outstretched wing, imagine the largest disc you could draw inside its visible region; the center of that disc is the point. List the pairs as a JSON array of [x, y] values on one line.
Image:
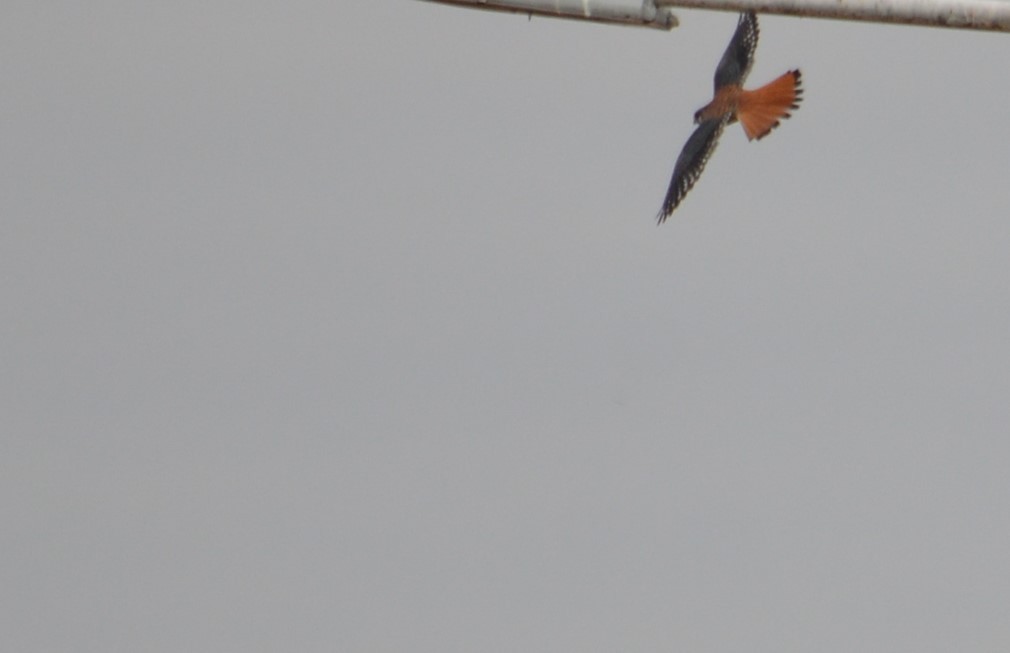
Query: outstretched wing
[[739, 55], [691, 162]]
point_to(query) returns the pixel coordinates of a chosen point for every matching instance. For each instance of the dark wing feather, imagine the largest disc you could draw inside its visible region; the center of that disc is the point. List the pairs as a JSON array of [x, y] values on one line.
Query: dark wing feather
[[739, 56], [691, 163]]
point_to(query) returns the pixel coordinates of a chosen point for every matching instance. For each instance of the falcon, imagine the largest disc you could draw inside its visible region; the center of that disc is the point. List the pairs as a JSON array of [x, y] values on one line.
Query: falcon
[[759, 111]]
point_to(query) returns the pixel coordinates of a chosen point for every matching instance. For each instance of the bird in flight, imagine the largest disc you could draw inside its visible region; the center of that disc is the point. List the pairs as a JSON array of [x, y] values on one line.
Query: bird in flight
[[759, 111]]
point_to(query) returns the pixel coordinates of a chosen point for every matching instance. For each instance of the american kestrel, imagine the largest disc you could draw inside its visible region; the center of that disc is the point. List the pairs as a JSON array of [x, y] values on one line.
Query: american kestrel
[[758, 111]]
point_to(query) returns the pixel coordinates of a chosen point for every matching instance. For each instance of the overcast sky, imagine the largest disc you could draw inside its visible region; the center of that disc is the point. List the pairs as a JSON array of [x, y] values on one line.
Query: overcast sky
[[347, 326]]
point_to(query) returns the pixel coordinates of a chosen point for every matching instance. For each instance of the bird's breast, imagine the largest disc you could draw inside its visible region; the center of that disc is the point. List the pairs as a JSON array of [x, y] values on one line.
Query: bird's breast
[[725, 101]]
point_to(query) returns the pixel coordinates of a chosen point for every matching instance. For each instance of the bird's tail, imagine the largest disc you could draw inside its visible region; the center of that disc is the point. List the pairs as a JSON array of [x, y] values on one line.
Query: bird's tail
[[759, 111]]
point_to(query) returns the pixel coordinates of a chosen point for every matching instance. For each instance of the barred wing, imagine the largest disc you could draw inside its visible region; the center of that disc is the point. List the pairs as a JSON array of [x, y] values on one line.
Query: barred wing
[[739, 56], [691, 163]]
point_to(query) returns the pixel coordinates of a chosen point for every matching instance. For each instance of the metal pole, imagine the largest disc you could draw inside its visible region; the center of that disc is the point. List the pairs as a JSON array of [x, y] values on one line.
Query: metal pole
[[993, 15], [964, 14], [601, 11]]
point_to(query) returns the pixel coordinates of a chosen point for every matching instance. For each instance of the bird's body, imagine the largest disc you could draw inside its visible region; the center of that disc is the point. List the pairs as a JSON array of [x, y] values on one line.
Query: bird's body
[[758, 111]]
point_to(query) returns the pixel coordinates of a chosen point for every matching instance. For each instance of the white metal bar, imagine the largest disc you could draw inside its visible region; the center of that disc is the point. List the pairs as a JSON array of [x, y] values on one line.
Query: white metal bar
[[602, 11], [964, 14]]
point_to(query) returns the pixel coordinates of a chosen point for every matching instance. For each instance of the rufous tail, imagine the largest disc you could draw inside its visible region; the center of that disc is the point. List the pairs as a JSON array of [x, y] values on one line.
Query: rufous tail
[[759, 111]]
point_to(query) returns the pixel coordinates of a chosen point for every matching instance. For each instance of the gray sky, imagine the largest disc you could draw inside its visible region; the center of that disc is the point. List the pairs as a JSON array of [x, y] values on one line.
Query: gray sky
[[347, 327]]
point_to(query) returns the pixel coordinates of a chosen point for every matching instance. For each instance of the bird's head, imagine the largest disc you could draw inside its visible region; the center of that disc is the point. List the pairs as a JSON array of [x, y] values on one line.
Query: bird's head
[[697, 116]]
